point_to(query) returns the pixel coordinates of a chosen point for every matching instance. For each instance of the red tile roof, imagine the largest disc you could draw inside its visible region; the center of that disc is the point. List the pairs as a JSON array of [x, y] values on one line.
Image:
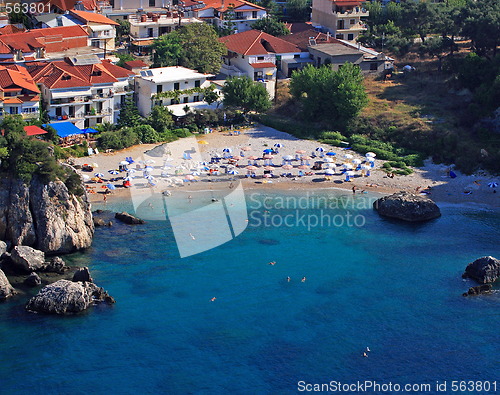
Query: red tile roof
[[131, 64], [62, 74], [263, 65], [254, 42], [12, 100], [28, 41], [17, 78], [92, 17], [33, 130], [223, 5], [10, 29], [66, 5]]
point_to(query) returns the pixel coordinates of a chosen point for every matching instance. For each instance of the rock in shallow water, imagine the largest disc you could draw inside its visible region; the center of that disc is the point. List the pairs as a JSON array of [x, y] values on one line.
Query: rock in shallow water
[[129, 219], [480, 289], [27, 259], [55, 265], [83, 275], [33, 280], [484, 270], [6, 290], [67, 297], [407, 207]]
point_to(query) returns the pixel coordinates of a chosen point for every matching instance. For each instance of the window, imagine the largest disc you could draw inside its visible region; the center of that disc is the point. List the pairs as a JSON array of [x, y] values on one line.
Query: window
[[296, 56], [373, 66], [352, 21], [14, 110], [159, 88], [176, 86], [196, 98], [125, 17], [185, 100], [174, 101], [254, 14], [350, 37], [339, 36], [151, 3], [239, 15], [260, 57], [197, 83]]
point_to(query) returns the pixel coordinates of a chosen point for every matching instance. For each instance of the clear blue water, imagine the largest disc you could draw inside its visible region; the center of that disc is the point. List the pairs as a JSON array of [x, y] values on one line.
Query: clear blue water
[[390, 286]]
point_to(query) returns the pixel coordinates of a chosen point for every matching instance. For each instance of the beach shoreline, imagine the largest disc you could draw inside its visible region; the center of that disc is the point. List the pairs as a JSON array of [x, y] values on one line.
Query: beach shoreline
[[431, 177]]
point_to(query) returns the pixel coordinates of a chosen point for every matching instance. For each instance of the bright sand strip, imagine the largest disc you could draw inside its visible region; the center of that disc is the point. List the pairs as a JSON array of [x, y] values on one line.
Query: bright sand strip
[[443, 188]]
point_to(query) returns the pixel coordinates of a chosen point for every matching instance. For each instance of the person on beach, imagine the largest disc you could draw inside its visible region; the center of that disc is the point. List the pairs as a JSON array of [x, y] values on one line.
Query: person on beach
[[105, 198]]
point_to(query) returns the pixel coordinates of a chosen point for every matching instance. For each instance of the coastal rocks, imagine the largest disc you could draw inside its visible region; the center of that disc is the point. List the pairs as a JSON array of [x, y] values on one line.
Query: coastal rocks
[[67, 297], [63, 221], [483, 270], [6, 290], [3, 248], [44, 216], [83, 275], [407, 207], [33, 280], [102, 218], [480, 289], [55, 265], [101, 222], [27, 259], [129, 219]]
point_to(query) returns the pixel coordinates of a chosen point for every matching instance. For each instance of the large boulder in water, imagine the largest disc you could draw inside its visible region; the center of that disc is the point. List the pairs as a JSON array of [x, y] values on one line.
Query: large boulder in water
[[55, 265], [33, 280], [27, 259], [83, 275], [6, 290], [67, 297], [407, 207], [479, 290], [484, 270], [129, 219]]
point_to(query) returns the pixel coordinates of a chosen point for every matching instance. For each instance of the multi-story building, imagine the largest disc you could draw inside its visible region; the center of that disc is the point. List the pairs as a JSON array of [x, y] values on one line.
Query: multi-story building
[[19, 94], [82, 90], [169, 79], [146, 27], [102, 30], [238, 14], [342, 18]]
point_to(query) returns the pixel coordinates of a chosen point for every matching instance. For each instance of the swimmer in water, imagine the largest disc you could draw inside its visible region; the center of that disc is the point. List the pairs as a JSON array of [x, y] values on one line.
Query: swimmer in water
[[365, 355], [272, 263], [303, 279], [192, 236], [213, 299], [288, 279]]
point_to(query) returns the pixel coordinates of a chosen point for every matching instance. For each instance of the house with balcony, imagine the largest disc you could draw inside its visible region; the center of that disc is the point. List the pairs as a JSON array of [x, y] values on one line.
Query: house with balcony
[[82, 90], [342, 18], [19, 94], [123, 9], [145, 27], [41, 44], [180, 85], [102, 30], [241, 14], [259, 55]]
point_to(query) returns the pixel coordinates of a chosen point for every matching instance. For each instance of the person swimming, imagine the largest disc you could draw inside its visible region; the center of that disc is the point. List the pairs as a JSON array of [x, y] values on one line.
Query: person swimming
[[192, 236], [368, 349], [288, 279], [365, 355], [272, 263], [213, 299], [303, 279]]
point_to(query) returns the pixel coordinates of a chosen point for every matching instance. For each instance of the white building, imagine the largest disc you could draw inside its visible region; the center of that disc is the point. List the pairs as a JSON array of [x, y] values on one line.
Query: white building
[[188, 84]]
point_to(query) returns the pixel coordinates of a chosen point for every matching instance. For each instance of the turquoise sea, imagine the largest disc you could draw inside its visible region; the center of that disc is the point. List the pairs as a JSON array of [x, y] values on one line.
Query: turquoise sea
[[393, 287]]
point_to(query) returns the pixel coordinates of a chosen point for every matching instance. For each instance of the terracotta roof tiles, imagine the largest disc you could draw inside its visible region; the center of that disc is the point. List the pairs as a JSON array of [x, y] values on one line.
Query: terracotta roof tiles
[[254, 42]]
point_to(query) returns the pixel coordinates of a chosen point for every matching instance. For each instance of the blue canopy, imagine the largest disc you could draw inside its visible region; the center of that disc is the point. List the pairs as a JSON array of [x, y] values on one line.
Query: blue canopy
[[64, 129], [90, 130]]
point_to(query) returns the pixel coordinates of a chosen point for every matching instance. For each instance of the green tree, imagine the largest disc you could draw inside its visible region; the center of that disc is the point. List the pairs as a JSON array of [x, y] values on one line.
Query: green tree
[[167, 50], [146, 134], [124, 57], [298, 10], [123, 30], [242, 92], [269, 5], [417, 19], [481, 23], [271, 26], [129, 115], [335, 97], [210, 96], [160, 119], [194, 46], [437, 47]]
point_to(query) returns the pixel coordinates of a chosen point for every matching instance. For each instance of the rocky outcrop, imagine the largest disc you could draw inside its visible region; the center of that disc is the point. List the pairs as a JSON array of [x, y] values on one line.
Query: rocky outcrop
[[129, 219], [479, 290], [33, 280], [55, 265], [83, 275], [26, 259], [44, 216], [3, 248], [407, 207], [484, 270], [6, 290], [67, 297]]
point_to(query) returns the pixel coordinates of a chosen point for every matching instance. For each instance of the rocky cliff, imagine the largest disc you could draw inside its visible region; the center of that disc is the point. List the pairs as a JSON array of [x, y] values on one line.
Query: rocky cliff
[[44, 216]]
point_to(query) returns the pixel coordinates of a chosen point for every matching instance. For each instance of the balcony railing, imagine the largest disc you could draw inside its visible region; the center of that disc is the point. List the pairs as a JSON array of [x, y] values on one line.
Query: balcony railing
[[104, 112], [355, 12], [73, 100]]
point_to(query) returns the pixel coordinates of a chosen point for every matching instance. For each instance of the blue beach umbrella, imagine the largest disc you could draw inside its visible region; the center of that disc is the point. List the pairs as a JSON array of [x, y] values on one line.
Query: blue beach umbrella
[[233, 172], [331, 153], [100, 175], [493, 184], [114, 172], [268, 151], [110, 186], [227, 150], [320, 149], [279, 145]]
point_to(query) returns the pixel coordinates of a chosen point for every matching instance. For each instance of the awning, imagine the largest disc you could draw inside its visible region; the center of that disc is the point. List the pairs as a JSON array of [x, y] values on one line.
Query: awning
[[64, 129], [100, 28], [70, 94], [33, 130], [263, 65]]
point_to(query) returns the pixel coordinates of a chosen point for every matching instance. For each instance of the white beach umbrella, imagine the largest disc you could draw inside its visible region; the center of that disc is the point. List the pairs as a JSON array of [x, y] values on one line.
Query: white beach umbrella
[[320, 149], [288, 157], [356, 161], [99, 175], [85, 177], [148, 169], [370, 159], [493, 184], [350, 173], [287, 167], [348, 156], [370, 155], [329, 172], [347, 166], [279, 145], [150, 161], [124, 163], [329, 160], [114, 172]]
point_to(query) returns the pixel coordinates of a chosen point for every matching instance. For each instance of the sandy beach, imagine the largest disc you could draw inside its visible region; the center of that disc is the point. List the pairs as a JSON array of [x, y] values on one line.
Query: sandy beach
[[170, 164]]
